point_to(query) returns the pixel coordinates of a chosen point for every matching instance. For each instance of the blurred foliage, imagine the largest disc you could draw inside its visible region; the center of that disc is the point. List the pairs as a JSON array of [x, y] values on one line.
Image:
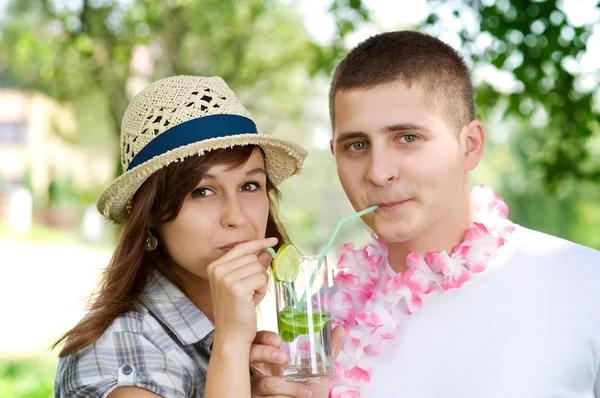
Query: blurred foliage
[[75, 49], [543, 160], [535, 42], [572, 213], [27, 378], [83, 52], [61, 192]]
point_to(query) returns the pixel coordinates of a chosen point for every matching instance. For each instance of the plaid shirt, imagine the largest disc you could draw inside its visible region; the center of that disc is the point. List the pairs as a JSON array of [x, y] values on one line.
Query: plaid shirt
[[164, 347]]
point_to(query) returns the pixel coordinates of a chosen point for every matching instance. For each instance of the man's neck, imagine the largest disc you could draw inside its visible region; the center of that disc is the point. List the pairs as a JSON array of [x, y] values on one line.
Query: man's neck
[[448, 232]]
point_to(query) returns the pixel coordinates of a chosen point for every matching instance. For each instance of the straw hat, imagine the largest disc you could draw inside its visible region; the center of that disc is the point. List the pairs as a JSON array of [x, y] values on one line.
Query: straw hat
[[182, 116]]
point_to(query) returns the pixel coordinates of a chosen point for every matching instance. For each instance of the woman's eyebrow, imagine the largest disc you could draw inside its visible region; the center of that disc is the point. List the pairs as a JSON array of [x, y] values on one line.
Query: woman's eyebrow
[[258, 170]]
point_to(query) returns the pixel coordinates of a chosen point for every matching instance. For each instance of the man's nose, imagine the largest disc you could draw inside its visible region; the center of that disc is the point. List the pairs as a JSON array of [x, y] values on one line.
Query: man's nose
[[383, 167]]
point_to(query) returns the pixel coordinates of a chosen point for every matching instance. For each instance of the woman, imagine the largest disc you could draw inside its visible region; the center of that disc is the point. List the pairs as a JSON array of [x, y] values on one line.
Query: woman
[[175, 313]]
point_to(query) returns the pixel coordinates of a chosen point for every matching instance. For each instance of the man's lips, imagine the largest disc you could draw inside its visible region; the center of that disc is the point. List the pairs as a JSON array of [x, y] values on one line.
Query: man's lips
[[386, 207], [231, 245]]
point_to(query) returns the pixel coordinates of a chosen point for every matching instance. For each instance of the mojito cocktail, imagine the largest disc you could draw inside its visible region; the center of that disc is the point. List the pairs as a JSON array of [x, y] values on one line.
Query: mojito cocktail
[[303, 317]]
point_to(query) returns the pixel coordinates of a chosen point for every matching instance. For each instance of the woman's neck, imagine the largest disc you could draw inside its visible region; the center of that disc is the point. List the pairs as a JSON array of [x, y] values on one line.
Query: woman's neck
[[198, 291]]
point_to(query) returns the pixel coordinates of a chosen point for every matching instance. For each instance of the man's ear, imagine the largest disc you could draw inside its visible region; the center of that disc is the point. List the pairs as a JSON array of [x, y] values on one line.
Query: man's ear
[[472, 138], [331, 147]]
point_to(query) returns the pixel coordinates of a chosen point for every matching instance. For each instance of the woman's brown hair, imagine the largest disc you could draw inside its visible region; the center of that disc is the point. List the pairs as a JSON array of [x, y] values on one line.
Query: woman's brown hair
[[158, 200]]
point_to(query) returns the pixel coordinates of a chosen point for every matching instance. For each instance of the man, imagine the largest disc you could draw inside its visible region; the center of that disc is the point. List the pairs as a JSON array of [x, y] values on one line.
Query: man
[[452, 299]]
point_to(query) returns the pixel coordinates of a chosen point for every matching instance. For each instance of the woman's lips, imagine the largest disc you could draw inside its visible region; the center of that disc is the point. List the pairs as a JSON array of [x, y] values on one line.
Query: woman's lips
[[231, 245]]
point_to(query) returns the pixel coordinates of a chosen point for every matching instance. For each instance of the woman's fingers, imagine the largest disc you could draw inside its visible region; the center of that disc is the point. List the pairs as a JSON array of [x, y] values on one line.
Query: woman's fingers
[[274, 386], [220, 270], [255, 284], [265, 259], [252, 246], [266, 354], [246, 271]]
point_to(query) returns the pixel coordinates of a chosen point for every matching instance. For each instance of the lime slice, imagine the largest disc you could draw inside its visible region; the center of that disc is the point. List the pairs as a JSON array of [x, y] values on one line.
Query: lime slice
[[288, 336], [285, 264], [292, 324]]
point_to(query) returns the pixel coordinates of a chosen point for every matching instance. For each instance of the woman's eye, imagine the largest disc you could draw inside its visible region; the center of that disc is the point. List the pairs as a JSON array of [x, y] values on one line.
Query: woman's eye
[[202, 192], [358, 146], [409, 138], [250, 187]]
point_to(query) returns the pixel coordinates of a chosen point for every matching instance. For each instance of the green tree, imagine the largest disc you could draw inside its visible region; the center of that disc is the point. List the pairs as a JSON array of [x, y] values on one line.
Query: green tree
[[535, 42], [83, 53], [78, 50]]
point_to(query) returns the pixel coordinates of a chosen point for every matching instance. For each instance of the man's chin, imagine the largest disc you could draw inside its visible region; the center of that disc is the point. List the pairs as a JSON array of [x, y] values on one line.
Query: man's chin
[[390, 234]]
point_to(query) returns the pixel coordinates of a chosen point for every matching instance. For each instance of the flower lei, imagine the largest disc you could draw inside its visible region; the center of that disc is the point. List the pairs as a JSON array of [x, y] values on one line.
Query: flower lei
[[367, 293]]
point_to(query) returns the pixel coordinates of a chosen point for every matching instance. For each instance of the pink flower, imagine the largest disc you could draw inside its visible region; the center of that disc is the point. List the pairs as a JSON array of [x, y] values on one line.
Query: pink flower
[[344, 392], [342, 311], [346, 281], [481, 195], [366, 293], [377, 244], [345, 251], [360, 264], [374, 315], [338, 375], [358, 375], [475, 232], [500, 227], [416, 260], [397, 289], [377, 252], [476, 249], [418, 281], [354, 343], [497, 209], [456, 273], [353, 347], [379, 338]]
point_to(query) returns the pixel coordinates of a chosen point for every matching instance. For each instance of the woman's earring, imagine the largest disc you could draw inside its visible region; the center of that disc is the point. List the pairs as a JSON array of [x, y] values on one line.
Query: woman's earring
[[151, 241]]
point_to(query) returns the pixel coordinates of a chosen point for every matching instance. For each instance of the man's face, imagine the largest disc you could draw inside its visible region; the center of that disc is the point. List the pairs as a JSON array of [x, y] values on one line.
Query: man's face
[[394, 151]]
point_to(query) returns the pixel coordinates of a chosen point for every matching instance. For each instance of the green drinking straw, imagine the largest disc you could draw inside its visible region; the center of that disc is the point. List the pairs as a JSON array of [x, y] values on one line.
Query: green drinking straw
[[270, 251], [324, 255], [321, 352]]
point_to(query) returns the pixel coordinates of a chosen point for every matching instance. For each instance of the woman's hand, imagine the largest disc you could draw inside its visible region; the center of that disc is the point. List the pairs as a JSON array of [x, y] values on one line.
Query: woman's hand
[[238, 283], [266, 360]]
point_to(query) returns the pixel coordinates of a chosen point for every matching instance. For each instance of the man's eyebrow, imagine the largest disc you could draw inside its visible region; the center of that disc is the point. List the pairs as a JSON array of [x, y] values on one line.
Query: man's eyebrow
[[405, 127], [343, 137]]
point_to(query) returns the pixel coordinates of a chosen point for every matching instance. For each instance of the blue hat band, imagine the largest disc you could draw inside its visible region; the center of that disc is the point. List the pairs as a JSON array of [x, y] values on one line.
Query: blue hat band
[[192, 131]]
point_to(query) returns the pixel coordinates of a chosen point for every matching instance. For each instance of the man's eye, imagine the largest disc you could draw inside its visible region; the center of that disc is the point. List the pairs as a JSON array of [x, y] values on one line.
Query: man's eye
[[409, 138], [358, 145]]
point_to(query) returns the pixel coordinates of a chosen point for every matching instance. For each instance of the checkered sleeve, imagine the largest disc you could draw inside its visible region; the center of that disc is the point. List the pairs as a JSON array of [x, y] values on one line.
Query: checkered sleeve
[[121, 359]]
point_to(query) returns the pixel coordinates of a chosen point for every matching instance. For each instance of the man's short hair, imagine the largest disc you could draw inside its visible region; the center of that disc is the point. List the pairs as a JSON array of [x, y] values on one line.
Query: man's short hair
[[413, 58]]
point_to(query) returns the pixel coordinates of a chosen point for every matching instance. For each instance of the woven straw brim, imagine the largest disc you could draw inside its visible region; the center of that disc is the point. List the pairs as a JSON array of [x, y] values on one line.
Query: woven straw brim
[[283, 159]]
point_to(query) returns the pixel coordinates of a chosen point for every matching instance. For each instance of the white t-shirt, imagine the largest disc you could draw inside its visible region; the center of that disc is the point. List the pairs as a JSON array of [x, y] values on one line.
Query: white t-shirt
[[527, 327]]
